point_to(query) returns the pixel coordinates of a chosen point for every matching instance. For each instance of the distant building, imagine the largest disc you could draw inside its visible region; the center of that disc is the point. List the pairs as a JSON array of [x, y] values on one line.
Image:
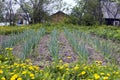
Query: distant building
[[58, 17], [111, 13], [23, 18]]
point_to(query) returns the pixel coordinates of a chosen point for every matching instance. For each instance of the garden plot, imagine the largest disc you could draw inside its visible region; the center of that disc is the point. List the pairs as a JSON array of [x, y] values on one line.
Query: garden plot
[[76, 46], [42, 55], [66, 52]]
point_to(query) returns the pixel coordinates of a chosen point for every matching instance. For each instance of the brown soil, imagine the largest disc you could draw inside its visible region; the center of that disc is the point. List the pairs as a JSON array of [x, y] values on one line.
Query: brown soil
[[41, 55], [17, 50], [94, 55], [66, 52], [3, 38]]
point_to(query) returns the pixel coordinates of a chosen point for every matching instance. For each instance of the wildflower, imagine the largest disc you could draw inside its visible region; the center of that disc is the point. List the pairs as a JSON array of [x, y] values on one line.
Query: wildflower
[[67, 69], [3, 78], [60, 61], [102, 74], [116, 73], [66, 65], [61, 67], [32, 76], [96, 76], [69, 57], [19, 78], [83, 72], [28, 60], [10, 49], [105, 78], [108, 74], [14, 77], [76, 68], [6, 48], [24, 72], [1, 71], [31, 67]]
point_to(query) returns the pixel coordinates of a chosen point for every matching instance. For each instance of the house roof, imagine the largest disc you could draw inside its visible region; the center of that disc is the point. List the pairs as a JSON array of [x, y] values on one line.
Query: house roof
[[110, 10], [59, 12]]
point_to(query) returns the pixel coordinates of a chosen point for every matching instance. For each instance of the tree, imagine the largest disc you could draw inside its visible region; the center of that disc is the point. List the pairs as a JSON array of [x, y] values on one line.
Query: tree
[[9, 12], [25, 7], [1, 11], [88, 12], [36, 8]]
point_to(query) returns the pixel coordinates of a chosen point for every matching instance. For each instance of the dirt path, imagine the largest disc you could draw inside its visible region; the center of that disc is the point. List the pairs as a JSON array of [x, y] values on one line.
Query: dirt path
[[42, 55], [66, 52], [93, 55], [3, 38]]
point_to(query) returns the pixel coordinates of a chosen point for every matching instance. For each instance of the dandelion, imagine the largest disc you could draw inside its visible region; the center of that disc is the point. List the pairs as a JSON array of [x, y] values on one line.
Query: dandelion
[[102, 74], [96, 76], [14, 77], [19, 78], [66, 65], [69, 57], [76, 68], [83, 72], [108, 74], [1, 71], [6, 48], [105, 78], [24, 72], [60, 61], [10, 49], [32, 76], [3, 78]]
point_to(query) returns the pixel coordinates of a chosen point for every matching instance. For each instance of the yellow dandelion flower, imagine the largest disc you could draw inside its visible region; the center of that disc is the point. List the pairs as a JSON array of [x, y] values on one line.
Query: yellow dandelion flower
[[14, 77], [116, 73], [10, 49], [67, 69], [3, 78], [102, 74], [96, 76], [24, 72], [66, 65], [108, 74], [60, 61], [6, 48], [69, 57], [31, 67], [105, 78], [61, 67], [76, 68], [83, 72], [19, 78], [32, 75], [1, 71]]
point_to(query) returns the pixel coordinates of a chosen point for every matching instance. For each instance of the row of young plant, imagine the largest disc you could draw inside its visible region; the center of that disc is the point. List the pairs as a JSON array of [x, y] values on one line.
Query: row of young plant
[[54, 46], [31, 43], [14, 39], [79, 47], [103, 46]]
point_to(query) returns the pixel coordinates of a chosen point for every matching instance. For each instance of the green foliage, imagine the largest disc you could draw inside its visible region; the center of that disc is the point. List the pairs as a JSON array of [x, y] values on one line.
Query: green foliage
[[53, 45]]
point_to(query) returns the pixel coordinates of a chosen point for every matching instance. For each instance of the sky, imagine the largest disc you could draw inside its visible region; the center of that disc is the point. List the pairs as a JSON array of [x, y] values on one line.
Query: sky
[[71, 4]]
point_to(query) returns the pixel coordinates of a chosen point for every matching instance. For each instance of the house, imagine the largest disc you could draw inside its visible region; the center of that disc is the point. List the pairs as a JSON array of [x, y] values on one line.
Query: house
[[111, 13], [23, 18], [58, 17]]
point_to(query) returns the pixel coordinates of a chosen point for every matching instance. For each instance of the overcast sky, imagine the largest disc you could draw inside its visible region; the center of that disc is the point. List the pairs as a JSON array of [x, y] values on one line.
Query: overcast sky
[[71, 4]]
